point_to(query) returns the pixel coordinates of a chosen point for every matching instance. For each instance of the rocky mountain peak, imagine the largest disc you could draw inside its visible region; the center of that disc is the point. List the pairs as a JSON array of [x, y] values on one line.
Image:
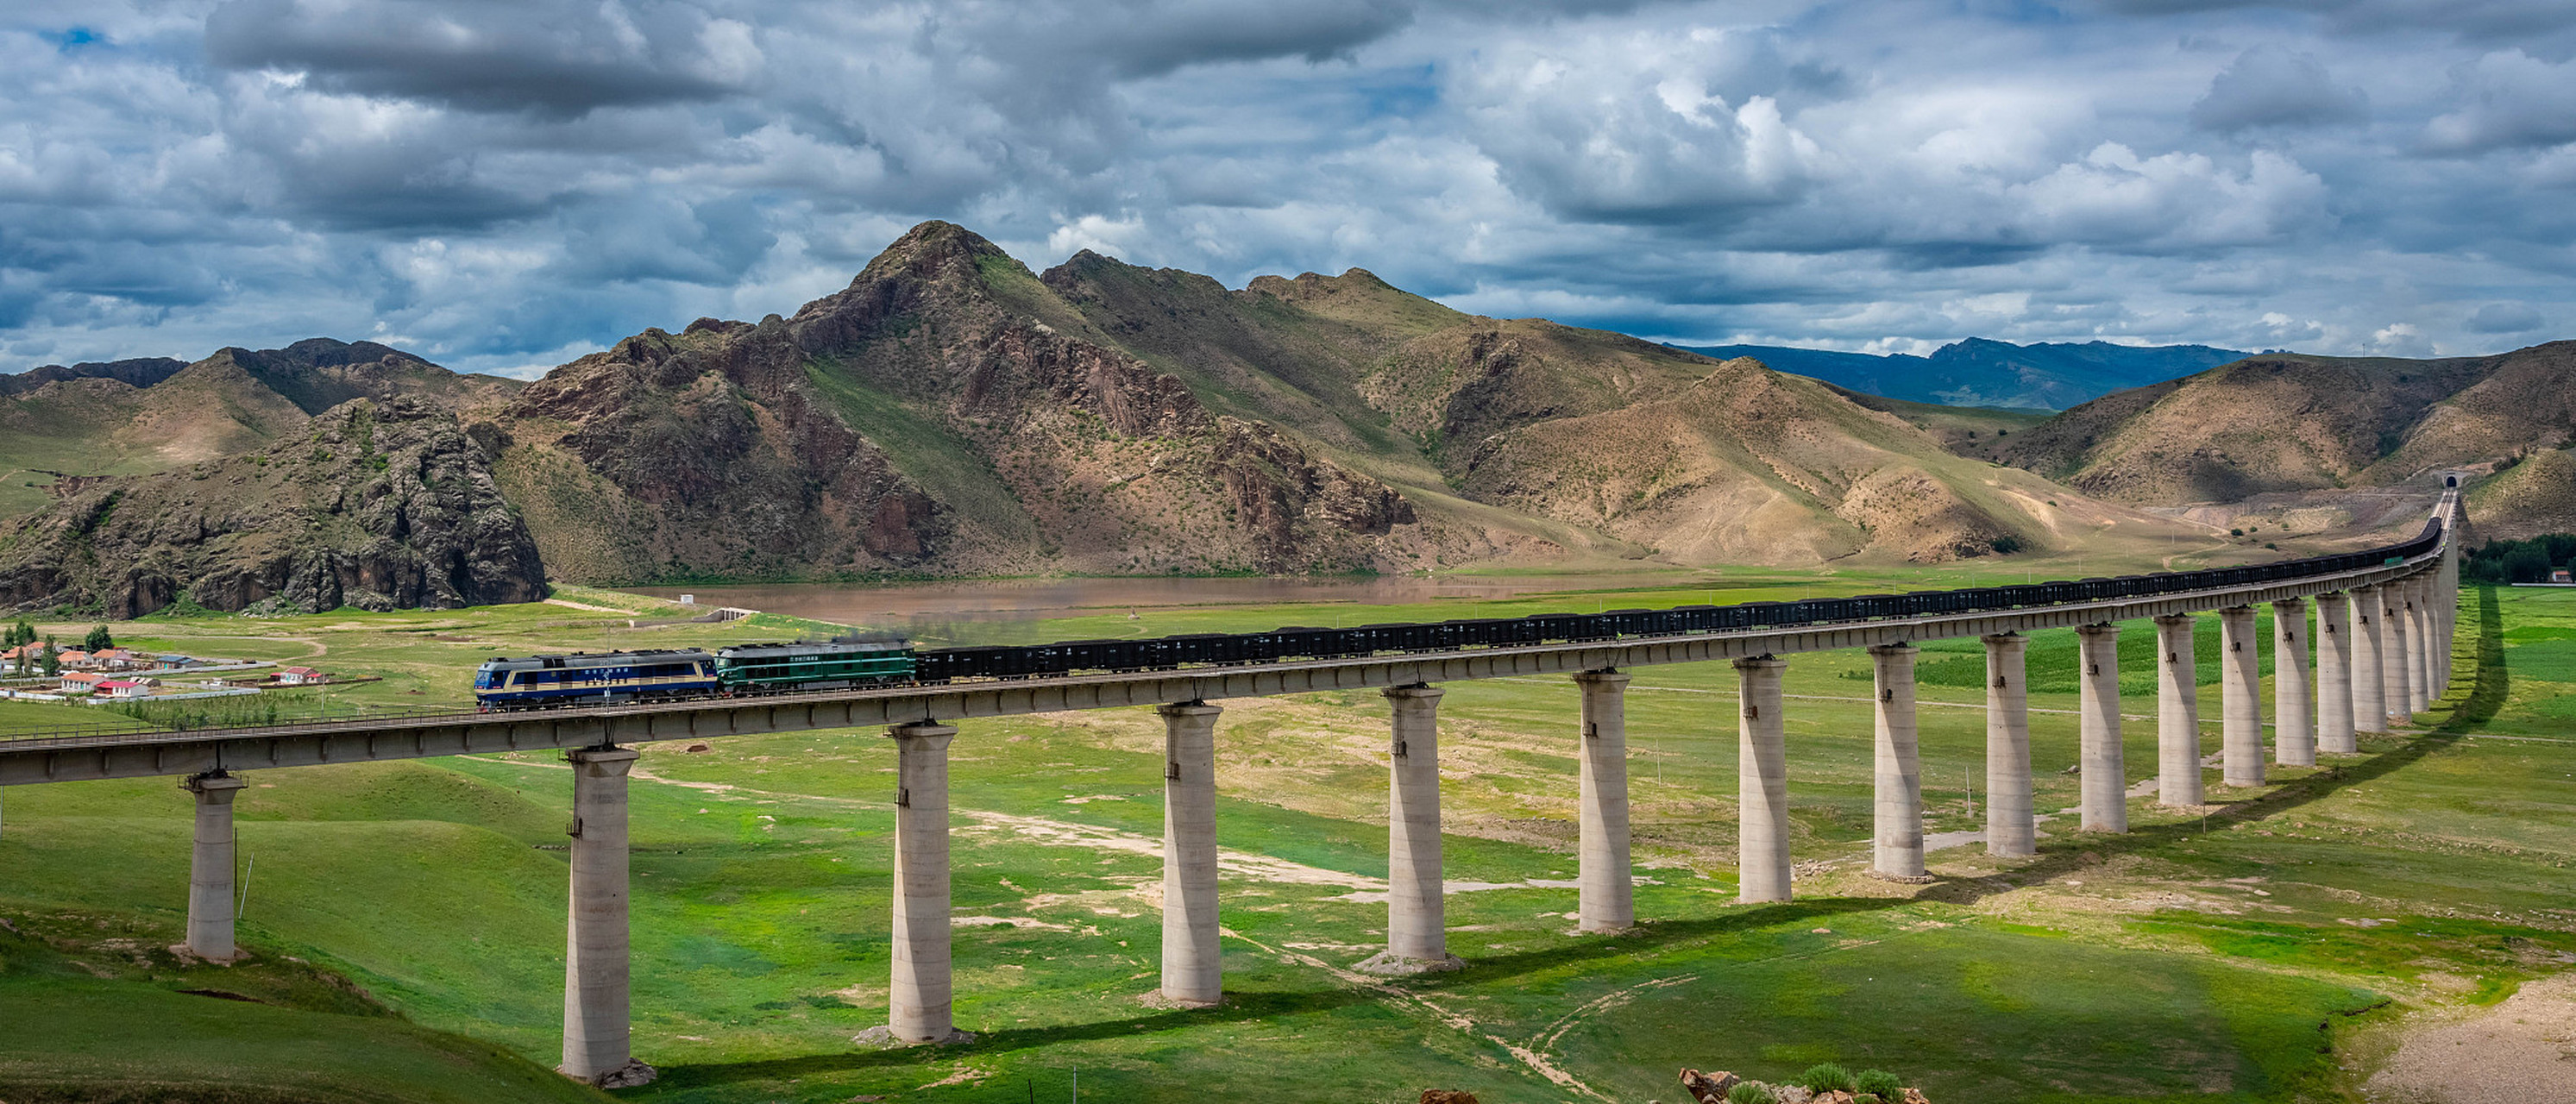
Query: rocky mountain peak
[[378, 504]]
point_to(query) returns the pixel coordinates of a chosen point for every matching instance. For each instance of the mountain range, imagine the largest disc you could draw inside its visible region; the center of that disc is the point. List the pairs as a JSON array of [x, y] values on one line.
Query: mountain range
[[1979, 372], [951, 412]]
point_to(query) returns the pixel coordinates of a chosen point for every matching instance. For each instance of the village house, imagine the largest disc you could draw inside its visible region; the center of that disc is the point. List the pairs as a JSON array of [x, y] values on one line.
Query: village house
[[301, 676], [81, 682], [29, 652], [121, 688], [75, 659]]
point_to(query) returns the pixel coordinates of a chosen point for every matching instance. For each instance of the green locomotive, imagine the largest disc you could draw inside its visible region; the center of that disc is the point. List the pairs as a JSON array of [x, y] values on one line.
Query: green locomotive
[[832, 665]]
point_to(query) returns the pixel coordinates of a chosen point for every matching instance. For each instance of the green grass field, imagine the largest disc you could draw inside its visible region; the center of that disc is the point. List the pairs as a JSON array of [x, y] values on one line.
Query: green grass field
[[2262, 953]]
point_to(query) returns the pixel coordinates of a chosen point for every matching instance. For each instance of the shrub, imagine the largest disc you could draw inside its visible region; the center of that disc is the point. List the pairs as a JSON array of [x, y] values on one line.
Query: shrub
[[1749, 1092], [1880, 1082], [1825, 1077]]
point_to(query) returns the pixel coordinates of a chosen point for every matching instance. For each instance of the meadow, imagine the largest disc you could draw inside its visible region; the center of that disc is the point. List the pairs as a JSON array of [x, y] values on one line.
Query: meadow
[[408, 916]]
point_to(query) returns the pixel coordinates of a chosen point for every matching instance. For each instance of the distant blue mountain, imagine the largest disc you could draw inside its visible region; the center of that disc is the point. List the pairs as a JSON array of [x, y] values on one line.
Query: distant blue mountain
[[1978, 372]]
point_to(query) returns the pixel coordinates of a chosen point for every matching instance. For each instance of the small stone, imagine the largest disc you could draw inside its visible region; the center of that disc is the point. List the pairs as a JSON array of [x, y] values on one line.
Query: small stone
[[1708, 1088]]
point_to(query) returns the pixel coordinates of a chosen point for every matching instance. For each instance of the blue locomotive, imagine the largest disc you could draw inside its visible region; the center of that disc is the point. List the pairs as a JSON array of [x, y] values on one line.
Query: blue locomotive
[[587, 678]]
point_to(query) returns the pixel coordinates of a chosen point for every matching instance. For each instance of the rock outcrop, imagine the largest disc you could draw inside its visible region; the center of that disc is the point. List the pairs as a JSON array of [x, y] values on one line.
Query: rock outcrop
[[376, 505]]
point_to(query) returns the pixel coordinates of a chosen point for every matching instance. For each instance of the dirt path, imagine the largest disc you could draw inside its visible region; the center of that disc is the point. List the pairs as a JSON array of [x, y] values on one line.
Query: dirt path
[[1535, 1061], [2518, 1052], [588, 606]]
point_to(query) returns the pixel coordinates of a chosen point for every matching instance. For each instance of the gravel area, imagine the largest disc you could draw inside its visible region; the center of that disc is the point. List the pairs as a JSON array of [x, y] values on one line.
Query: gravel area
[[2518, 1052]]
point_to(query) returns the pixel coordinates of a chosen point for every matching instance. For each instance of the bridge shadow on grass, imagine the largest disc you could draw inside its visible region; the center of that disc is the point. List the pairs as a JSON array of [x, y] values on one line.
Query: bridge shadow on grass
[[2063, 855], [1241, 1007], [2491, 679]]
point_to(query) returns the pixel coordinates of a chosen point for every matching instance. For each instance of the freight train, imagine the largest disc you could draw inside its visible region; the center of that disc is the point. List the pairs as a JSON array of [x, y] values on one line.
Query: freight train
[[612, 677]]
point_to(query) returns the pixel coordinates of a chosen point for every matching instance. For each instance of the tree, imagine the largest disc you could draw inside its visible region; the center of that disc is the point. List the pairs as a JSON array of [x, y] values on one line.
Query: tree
[[99, 639], [2526, 563], [52, 664]]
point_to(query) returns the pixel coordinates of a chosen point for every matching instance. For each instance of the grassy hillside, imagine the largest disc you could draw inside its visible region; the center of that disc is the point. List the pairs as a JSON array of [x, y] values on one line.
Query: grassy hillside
[[1982, 432], [82, 984], [2534, 497], [2245, 957], [2284, 423]]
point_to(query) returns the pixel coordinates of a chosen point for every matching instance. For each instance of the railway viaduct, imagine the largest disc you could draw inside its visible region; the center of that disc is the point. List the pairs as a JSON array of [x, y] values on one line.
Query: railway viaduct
[[2379, 635]]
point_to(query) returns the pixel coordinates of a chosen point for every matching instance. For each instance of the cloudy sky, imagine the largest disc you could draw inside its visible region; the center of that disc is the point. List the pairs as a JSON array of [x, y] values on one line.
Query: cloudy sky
[[502, 185]]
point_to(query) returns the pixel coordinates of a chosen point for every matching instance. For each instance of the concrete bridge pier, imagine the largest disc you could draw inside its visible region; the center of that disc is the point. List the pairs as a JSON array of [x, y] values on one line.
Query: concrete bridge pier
[[2444, 598], [2369, 686], [1761, 783], [2177, 714], [1193, 960], [2240, 682], [1606, 893], [2394, 645], [919, 997], [210, 868], [2437, 653], [1898, 826], [2105, 804], [2419, 675], [597, 1047], [1417, 933], [2335, 648], [2450, 620], [2010, 831], [2294, 732]]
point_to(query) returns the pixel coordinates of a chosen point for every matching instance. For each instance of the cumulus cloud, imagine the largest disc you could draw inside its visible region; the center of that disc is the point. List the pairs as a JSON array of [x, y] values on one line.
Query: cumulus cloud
[[2271, 87], [2113, 197], [503, 183], [1640, 126], [2507, 99]]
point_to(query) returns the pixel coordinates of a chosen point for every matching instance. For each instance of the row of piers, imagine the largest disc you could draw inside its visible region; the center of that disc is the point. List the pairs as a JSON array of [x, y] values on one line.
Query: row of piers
[[2377, 661]]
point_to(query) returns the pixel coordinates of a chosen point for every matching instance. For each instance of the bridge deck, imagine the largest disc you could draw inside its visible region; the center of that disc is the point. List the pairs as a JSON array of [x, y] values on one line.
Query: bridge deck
[[126, 755]]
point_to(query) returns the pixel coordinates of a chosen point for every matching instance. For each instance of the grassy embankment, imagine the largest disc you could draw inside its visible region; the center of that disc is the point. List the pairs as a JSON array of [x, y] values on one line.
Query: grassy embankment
[[2212, 959]]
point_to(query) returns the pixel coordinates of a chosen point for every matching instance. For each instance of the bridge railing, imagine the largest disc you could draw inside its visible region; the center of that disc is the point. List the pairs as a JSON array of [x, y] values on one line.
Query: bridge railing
[[332, 721]]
